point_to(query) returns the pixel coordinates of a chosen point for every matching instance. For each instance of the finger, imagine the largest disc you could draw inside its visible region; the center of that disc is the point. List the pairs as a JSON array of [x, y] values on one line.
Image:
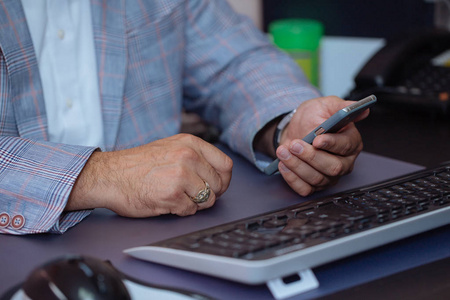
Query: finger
[[200, 189], [221, 164], [325, 163], [185, 207], [291, 159], [206, 172], [191, 167], [218, 159], [345, 143], [294, 181], [171, 193], [172, 199], [181, 183]]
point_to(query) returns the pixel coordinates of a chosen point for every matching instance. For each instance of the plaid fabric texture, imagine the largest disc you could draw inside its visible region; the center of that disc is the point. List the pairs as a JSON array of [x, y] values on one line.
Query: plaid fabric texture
[[154, 58]]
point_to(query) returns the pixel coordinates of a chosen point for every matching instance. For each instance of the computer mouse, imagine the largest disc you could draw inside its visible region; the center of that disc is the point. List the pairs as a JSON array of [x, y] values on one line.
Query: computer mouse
[[75, 277]]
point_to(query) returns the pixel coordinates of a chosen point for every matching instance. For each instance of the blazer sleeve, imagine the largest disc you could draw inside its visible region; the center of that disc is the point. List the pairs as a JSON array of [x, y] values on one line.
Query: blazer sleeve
[[235, 78], [36, 178]]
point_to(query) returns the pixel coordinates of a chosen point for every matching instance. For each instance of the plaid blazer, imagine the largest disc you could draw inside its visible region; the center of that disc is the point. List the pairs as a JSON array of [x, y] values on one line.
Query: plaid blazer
[[154, 58]]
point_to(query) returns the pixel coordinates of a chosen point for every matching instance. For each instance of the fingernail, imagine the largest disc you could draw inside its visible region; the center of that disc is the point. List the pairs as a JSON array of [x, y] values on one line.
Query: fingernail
[[296, 148], [283, 153]]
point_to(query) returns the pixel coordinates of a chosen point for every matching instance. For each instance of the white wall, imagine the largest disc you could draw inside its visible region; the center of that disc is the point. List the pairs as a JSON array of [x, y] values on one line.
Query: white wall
[[252, 8], [341, 60]]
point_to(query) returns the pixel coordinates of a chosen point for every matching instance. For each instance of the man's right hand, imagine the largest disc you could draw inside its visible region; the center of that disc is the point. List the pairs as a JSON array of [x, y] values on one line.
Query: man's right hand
[[153, 179]]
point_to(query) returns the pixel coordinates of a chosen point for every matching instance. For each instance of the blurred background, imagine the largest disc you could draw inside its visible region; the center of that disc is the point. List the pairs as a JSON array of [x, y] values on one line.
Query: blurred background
[[411, 79], [353, 30]]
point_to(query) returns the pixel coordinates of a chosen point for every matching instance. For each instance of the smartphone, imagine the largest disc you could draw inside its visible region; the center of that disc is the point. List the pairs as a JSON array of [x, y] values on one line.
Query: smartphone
[[332, 124]]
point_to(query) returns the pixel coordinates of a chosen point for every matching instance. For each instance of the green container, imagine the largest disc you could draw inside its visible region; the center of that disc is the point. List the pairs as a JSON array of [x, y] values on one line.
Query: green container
[[301, 39]]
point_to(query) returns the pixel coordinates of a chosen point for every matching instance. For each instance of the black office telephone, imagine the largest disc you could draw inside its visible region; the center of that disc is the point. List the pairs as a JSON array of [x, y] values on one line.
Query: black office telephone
[[413, 71]]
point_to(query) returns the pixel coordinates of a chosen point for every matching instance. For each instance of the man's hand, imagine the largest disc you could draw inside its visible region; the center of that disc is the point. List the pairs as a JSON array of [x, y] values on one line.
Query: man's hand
[[153, 179], [308, 168]]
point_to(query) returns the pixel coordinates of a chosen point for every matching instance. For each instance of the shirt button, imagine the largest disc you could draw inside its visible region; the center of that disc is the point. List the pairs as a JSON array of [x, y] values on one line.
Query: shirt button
[[61, 34], [18, 222], [4, 220], [69, 103]]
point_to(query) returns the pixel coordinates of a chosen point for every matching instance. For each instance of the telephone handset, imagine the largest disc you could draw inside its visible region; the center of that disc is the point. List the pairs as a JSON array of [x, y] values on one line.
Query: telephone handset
[[412, 71]]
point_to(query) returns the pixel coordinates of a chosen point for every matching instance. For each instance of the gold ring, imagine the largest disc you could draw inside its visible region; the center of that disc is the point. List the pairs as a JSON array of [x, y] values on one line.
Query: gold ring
[[203, 195]]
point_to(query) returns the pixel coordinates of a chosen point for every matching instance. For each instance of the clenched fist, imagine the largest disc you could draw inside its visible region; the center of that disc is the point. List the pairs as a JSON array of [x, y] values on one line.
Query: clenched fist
[[153, 179]]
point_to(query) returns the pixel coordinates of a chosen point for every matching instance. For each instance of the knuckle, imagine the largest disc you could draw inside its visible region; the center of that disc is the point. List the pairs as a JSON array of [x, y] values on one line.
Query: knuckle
[[337, 168], [334, 97], [186, 137], [187, 153], [310, 155], [317, 179], [347, 148], [177, 176], [172, 193], [184, 210]]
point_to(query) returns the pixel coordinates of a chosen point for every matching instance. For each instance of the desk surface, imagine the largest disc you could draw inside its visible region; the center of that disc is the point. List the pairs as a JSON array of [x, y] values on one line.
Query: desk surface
[[105, 235], [418, 137]]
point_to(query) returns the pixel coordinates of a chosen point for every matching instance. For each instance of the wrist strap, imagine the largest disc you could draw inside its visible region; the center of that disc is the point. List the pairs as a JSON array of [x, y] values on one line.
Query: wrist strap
[[280, 127]]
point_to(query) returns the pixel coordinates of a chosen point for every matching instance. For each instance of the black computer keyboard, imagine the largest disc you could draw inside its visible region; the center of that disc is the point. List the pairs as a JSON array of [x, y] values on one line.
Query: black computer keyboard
[[276, 244]]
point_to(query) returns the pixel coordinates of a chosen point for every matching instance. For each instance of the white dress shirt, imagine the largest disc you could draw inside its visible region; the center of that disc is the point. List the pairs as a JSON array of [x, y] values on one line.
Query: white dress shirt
[[62, 35]]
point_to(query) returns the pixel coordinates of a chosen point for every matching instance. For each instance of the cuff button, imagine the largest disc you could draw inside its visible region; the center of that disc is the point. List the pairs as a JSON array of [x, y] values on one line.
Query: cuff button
[[18, 222], [4, 220]]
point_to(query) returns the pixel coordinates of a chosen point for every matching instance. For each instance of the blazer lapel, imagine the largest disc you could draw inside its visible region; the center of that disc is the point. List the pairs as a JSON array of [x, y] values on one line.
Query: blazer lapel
[[22, 70], [108, 18]]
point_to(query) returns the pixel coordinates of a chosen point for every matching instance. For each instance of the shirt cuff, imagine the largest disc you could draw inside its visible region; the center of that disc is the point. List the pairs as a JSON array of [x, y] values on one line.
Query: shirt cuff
[[68, 220]]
